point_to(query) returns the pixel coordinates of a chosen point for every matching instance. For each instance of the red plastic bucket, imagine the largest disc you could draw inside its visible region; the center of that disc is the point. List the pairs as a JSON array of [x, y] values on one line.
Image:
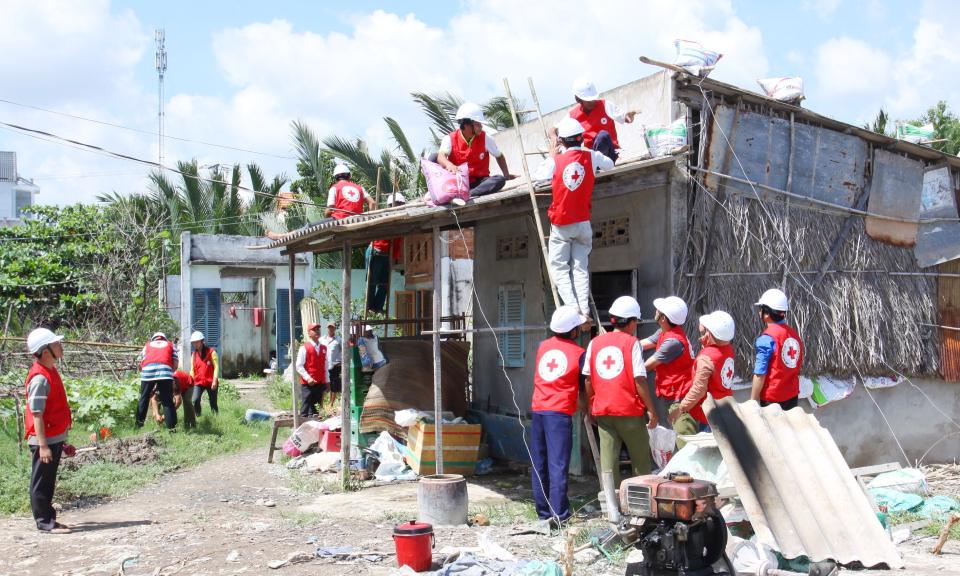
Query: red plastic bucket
[[414, 545]]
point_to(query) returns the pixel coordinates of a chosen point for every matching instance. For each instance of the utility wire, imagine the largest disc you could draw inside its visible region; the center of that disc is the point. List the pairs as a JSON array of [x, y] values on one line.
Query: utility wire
[[105, 152], [165, 136]]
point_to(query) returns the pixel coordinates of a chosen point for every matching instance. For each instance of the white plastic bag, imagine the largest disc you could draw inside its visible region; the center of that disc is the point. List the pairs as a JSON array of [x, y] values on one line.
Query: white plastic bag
[[914, 134], [908, 480], [784, 89], [692, 56], [663, 140], [827, 390], [662, 444], [305, 436]]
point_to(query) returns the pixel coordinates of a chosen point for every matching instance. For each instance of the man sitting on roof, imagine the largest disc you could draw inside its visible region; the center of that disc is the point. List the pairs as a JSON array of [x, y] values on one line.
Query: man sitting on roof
[[597, 118], [472, 145], [344, 199], [572, 172]]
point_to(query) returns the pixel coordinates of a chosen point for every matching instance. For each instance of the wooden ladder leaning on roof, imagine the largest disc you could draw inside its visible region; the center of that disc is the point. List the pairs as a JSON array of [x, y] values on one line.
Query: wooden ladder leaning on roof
[[533, 197]]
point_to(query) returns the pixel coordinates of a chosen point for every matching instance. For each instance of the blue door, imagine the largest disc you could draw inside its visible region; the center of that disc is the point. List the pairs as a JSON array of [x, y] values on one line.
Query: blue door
[[205, 316], [283, 323]]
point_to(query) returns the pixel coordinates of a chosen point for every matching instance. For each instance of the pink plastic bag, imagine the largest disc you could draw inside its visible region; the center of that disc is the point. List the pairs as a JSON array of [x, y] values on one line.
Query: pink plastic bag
[[290, 449], [443, 185]]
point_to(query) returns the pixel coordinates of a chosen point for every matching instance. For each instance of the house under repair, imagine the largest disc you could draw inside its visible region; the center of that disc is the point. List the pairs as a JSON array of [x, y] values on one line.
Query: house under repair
[[859, 229]]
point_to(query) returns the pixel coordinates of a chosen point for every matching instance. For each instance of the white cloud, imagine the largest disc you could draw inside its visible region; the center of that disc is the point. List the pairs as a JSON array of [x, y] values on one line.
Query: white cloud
[[824, 8], [852, 77]]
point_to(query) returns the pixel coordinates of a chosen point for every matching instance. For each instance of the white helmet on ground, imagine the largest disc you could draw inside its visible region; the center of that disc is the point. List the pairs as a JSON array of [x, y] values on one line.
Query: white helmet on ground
[[197, 337], [584, 89], [625, 307], [39, 338], [674, 308], [568, 128], [720, 324], [775, 299], [565, 319], [470, 111], [341, 169]]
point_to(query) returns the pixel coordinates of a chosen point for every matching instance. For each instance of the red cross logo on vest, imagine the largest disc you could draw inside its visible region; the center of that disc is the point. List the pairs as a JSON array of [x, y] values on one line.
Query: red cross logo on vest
[[609, 363], [482, 155], [726, 374], [553, 364], [351, 193], [603, 120], [790, 353], [573, 175]]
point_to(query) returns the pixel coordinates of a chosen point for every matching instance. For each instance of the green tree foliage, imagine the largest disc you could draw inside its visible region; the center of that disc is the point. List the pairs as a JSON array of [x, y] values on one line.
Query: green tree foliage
[[946, 125], [881, 124]]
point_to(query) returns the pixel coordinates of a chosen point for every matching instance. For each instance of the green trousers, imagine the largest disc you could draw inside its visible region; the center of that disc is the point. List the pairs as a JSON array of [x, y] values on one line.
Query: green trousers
[[618, 430], [189, 416], [685, 425]]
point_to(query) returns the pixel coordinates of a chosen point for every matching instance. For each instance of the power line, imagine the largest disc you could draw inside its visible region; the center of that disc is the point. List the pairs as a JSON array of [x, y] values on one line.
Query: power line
[[166, 136], [105, 152], [67, 176]]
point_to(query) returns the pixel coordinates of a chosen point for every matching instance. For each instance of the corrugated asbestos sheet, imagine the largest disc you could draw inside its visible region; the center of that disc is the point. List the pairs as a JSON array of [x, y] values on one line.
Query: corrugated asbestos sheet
[[797, 489], [948, 305]]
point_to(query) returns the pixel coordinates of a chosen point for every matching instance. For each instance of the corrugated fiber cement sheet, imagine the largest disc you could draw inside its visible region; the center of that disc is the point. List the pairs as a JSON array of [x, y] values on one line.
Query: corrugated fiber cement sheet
[[796, 487]]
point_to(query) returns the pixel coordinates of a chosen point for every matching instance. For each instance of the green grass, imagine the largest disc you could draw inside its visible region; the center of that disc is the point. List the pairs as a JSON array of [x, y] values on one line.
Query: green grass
[[279, 393], [215, 435], [507, 513], [300, 520], [934, 529]]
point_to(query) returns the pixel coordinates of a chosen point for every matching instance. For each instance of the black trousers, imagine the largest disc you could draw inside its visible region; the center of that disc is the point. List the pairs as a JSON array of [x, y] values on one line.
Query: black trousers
[[379, 271], [786, 404], [43, 483], [211, 395], [165, 389], [482, 186], [310, 397], [603, 143], [336, 382]]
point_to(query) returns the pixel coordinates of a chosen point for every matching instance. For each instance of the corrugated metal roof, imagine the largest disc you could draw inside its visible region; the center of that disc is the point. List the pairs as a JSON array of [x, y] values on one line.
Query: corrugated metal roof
[[422, 212], [795, 486]]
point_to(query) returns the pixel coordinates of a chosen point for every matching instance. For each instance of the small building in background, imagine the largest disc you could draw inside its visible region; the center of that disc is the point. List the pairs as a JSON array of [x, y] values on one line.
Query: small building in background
[[17, 194]]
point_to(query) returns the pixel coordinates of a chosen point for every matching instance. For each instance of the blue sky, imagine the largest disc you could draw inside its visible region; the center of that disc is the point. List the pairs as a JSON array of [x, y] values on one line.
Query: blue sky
[[240, 71]]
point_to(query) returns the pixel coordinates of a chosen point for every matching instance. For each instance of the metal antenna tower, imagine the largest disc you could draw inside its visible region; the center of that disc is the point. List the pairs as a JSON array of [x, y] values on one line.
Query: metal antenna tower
[[161, 69]]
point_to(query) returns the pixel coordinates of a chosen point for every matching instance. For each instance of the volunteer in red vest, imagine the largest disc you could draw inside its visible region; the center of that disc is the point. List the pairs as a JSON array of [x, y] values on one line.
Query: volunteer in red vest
[[379, 255], [571, 169], [345, 198], [776, 375], [712, 371], [312, 368], [672, 359], [557, 386], [205, 369], [158, 361], [47, 422], [617, 391], [182, 387], [471, 145], [598, 117]]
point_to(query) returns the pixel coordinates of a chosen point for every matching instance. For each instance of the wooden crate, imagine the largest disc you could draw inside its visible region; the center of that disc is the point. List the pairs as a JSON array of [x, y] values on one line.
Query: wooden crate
[[461, 443]]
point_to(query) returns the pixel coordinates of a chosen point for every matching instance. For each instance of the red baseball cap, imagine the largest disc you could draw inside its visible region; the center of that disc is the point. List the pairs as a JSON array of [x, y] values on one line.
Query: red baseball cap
[[311, 327]]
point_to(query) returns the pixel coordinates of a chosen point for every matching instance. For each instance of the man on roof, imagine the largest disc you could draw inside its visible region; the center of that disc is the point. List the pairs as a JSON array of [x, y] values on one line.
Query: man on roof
[[571, 169], [471, 145], [598, 118], [344, 199]]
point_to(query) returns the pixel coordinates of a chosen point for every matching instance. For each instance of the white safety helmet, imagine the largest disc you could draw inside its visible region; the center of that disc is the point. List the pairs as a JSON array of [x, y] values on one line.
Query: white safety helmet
[[396, 198], [341, 169], [775, 299], [584, 89], [625, 307], [720, 324], [674, 308], [197, 337], [470, 111], [565, 319], [39, 338], [159, 336], [568, 128]]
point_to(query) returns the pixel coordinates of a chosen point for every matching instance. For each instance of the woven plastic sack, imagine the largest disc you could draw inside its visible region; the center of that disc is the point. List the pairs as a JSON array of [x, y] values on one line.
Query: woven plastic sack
[[914, 134], [305, 436], [692, 56], [906, 480], [663, 140], [663, 441], [444, 186], [788, 90]]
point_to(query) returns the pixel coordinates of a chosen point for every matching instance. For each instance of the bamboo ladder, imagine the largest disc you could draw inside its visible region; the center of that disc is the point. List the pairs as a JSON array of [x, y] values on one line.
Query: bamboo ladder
[[533, 197]]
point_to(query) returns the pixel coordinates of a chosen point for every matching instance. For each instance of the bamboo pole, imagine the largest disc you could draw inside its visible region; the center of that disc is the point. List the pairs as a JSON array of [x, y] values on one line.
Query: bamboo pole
[[533, 196], [954, 518], [437, 373], [293, 343], [346, 358]]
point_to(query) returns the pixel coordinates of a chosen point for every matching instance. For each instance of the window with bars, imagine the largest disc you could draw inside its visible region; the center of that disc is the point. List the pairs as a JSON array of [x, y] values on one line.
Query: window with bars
[[511, 312], [233, 297]]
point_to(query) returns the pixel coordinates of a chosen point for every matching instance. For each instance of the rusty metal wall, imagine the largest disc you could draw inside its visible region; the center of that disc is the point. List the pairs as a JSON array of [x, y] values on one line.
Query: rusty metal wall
[[948, 309], [795, 486]]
